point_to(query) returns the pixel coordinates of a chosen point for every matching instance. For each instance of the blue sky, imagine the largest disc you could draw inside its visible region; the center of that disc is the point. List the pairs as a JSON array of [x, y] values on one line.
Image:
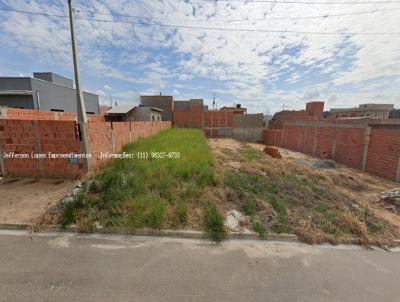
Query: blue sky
[[257, 69]]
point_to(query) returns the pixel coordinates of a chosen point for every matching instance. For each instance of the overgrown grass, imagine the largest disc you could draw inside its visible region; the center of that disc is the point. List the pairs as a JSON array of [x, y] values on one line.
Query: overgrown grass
[[214, 222], [250, 154], [287, 198], [149, 192]]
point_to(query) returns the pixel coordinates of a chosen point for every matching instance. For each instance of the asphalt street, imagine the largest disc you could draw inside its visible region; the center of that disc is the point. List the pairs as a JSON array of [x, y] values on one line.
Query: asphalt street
[[68, 267]]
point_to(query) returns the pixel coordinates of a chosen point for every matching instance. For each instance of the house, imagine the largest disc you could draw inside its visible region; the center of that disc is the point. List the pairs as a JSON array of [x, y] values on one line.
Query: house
[[164, 102], [238, 109], [124, 113], [379, 111], [45, 91]]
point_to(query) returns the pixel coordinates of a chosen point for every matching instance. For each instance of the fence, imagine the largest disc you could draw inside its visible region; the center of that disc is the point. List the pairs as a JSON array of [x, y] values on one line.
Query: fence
[[22, 140], [374, 148]]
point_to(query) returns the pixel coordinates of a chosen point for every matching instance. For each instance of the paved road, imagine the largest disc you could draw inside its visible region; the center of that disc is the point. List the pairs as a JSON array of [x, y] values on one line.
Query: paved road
[[67, 267]]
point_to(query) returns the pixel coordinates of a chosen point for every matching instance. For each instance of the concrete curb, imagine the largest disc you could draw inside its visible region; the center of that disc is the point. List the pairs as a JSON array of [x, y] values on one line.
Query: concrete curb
[[168, 233]]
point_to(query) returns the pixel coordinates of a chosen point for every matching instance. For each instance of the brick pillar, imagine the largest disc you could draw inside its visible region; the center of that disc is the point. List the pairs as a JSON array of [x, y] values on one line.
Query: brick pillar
[[334, 143], [39, 148], [305, 139], [2, 168], [367, 134], [314, 150], [113, 140]]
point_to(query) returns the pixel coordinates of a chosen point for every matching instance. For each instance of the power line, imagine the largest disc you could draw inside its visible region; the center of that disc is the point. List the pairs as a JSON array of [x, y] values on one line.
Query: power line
[[209, 28], [306, 3], [255, 19]]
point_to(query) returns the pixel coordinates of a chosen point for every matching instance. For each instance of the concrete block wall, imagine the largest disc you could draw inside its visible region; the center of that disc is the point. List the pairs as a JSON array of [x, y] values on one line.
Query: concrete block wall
[[374, 148]]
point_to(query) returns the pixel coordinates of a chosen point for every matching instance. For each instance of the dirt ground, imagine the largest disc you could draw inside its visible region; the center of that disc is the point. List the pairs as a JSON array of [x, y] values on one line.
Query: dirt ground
[[21, 200], [361, 187]]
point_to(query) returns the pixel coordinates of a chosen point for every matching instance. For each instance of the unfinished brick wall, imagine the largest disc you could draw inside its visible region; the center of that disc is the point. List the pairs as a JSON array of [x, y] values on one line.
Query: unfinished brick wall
[[383, 152], [216, 123], [374, 148], [31, 114], [27, 136], [112, 136], [23, 136]]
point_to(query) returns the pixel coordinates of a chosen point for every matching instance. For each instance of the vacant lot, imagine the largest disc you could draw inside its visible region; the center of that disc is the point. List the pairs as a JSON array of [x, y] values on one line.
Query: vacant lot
[[211, 178], [293, 196], [147, 191]]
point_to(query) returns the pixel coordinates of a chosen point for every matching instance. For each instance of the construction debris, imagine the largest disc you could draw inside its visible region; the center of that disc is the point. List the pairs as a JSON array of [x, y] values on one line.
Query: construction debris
[[234, 219], [273, 152], [391, 200]]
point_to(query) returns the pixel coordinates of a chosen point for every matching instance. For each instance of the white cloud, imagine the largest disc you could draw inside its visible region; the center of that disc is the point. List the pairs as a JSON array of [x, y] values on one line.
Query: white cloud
[[248, 67]]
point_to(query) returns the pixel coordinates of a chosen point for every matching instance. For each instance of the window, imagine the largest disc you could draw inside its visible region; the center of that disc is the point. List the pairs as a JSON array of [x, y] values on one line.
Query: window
[[153, 118], [158, 118], [57, 110]]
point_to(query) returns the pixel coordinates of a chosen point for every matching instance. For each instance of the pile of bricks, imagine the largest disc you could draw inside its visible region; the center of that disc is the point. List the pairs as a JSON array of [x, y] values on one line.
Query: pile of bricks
[[273, 152]]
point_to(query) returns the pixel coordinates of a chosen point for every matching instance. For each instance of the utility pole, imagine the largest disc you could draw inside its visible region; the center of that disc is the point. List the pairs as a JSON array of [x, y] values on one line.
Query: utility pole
[[213, 100], [81, 110]]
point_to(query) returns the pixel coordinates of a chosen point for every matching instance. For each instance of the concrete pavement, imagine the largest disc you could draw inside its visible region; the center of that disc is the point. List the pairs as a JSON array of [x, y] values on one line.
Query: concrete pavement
[[68, 267]]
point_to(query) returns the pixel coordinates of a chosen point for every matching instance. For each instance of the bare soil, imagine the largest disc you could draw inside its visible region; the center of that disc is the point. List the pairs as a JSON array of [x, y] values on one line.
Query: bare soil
[[23, 199], [357, 192]]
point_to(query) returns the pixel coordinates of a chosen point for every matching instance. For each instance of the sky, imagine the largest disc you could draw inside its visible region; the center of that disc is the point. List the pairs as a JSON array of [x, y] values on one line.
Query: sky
[[262, 55]]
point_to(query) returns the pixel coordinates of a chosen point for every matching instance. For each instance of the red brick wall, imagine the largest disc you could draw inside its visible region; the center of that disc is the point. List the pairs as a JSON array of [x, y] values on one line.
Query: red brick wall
[[383, 151], [24, 136], [30, 114], [272, 137], [208, 119], [349, 146]]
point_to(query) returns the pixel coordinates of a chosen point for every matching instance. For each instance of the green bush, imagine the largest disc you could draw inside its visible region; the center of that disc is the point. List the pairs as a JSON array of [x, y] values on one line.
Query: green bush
[[214, 223], [157, 215], [181, 212], [259, 228], [250, 208]]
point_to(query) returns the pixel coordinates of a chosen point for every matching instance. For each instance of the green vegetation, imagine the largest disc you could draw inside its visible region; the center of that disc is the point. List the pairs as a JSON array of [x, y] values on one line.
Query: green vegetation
[[148, 192], [260, 229], [214, 222], [250, 154]]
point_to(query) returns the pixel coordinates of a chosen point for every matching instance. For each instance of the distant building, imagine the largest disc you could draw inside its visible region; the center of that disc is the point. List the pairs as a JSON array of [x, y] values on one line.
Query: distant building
[[395, 113], [45, 91], [124, 113], [314, 111], [379, 111], [238, 109], [164, 102], [191, 105]]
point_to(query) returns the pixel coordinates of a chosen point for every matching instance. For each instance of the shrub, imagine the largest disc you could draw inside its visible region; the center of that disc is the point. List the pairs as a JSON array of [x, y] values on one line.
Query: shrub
[[181, 213], [157, 215], [214, 223], [259, 228], [250, 208]]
